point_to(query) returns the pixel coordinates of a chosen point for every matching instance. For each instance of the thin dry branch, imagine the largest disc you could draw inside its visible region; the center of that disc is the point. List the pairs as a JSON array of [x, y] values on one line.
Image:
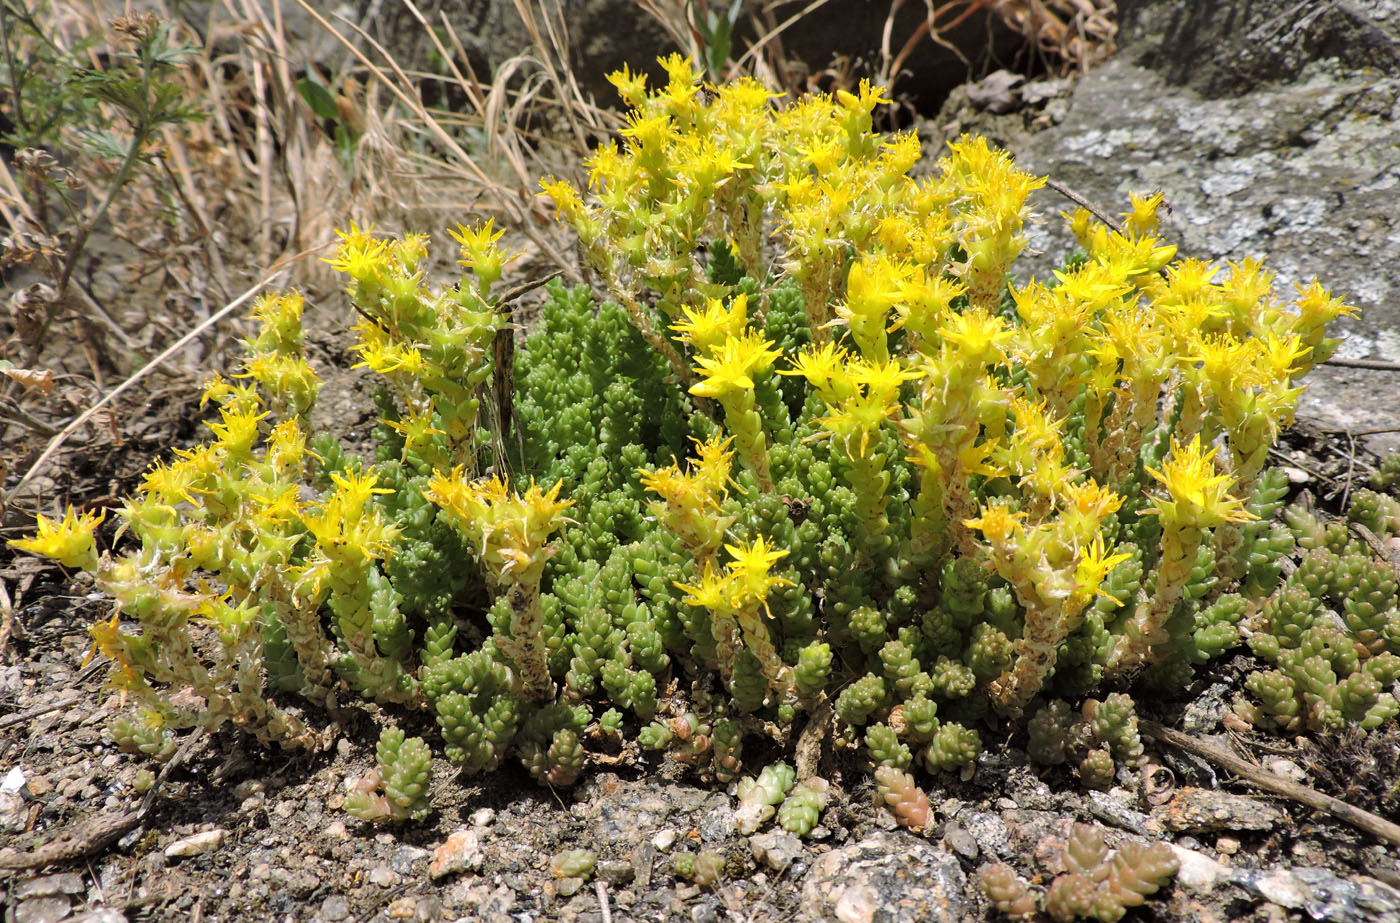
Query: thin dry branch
[[1377, 826]]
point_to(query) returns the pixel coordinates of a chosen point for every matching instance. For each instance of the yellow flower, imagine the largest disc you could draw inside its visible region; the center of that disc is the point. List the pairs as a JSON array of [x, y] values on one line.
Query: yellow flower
[[819, 365], [480, 253], [238, 431], [1094, 566], [360, 256], [749, 571], [732, 367], [1197, 495], [997, 523], [708, 328], [979, 335], [631, 87], [1143, 218], [70, 541], [712, 591]]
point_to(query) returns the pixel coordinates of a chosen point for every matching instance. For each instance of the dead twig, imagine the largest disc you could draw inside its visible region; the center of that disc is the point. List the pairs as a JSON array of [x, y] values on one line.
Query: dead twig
[[1377, 365], [602, 889], [31, 713], [1085, 204], [1365, 821]]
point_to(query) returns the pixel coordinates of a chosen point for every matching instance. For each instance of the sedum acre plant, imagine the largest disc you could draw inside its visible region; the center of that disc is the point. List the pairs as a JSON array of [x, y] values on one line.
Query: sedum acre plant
[[816, 465]]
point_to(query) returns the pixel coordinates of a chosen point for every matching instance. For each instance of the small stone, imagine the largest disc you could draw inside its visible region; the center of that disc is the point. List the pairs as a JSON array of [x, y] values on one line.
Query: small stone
[[1227, 846], [460, 852], [43, 909], [664, 839], [1200, 810], [1115, 807], [248, 788], [49, 885], [383, 876], [99, 915], [335, 830], [616, 871], [196, 845], [405, 856], [401, 909], [483, 817], [705, 912], [889, 877], [335, 908], [1285, 768], [960, 840], [777, 850], [1197, 871], [568, 887]]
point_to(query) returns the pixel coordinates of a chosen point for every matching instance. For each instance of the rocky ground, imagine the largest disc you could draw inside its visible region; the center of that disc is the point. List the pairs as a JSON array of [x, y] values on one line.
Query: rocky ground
[[1297, 160]]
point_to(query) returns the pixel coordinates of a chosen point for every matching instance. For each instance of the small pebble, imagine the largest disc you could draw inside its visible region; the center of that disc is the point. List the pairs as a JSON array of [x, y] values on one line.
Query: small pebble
[[48, 885], [664, 839], [383, 876], [1197, 871], [1285, 768], [401, 909], [776, 850], [335, 908], [335, 830], [616, 871], [248, 788], [483, 817], [196, 845], [704, 913], [1227, 846], [43, 909], [99, 915], [568, 887], [405, 856], [460, 852]]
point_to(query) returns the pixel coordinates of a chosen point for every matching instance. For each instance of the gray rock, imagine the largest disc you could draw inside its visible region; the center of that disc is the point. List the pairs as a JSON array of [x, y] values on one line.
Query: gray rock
[[405, 856], [960, 840], [776, 849], [1200, 810], [889, 877], [383, 876], [1114, 807], [616, 871], [1325, 896], [335, 908], [48, 885], [717, 824], [99, 915], [705, 912], [988, 830], [43, 909], [568, 887]]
